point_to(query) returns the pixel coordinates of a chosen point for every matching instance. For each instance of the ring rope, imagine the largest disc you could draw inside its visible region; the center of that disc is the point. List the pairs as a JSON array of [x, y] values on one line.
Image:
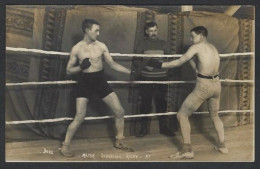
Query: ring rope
[[107, 117], [116, 82], [114, 54], [120, 82]]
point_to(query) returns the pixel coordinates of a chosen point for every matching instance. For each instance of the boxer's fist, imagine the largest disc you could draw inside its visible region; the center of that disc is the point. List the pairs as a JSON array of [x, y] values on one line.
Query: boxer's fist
[[85, 64], [154, 63]]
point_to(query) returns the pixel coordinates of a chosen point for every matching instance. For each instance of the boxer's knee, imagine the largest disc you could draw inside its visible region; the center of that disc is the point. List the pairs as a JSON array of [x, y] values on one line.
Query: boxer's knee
[[182, 115], [213, 111], [184, 112], [79, 118], [119, 112], [214, 116]]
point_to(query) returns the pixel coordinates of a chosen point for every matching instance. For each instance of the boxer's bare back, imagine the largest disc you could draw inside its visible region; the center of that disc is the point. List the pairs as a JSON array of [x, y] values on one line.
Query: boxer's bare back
[[207, 59]]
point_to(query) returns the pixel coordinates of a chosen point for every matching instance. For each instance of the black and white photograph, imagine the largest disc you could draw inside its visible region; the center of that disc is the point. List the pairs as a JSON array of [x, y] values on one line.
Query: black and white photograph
[[130, 83]]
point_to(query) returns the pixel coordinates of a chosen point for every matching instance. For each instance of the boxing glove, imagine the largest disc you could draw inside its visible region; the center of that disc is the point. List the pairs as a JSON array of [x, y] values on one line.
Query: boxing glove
[[85, 64], [154, 63]]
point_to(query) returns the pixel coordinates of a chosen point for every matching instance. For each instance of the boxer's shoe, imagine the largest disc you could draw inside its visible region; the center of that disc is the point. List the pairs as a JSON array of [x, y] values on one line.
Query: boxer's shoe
[[65, 150], [122, 146], [221, 147], [185, 153]]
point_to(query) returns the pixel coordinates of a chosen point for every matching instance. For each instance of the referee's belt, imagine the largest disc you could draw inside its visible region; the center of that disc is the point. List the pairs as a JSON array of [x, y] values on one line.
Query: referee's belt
[[207, 77]]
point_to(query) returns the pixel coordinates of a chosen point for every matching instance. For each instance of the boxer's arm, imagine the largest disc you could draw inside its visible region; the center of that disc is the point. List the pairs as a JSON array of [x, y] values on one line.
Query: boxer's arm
[[112, 63], [71, 66], [186, 57]]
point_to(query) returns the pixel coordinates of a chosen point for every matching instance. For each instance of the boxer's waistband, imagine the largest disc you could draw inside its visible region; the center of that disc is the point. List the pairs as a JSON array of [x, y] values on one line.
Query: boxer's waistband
[[207, 77]]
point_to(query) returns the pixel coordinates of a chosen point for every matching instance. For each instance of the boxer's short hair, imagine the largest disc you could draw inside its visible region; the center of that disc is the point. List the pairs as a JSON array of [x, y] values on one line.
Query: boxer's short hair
[[88, 23], [200, 30]]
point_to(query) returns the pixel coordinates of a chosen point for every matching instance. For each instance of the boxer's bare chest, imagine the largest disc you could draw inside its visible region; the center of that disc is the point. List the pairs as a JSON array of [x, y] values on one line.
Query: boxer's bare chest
[[91, 51]]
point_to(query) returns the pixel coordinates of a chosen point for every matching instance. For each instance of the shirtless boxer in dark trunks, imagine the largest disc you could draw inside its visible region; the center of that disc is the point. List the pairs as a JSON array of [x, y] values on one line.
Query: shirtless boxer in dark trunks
[[92, 83], [207, 88]]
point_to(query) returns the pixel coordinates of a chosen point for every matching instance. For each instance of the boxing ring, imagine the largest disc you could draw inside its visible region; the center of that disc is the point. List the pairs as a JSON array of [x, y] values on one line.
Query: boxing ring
[[40, 100], [67, 82]]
